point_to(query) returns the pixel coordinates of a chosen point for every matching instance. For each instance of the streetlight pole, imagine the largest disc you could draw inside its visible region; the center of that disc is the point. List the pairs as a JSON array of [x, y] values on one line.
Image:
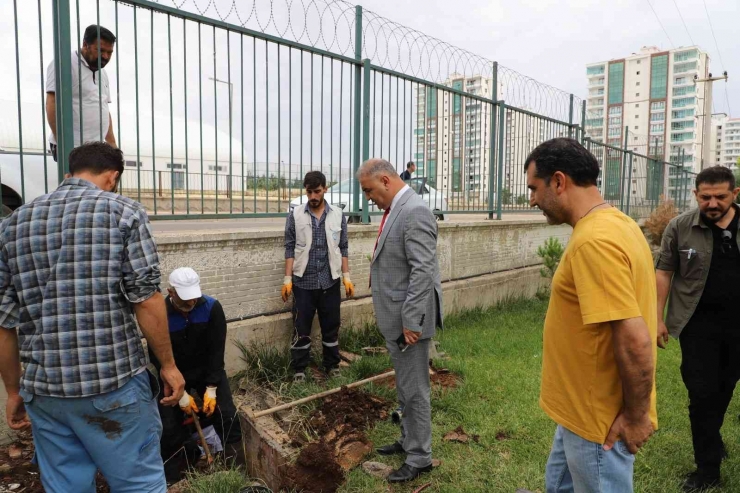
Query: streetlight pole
[[231, 94]]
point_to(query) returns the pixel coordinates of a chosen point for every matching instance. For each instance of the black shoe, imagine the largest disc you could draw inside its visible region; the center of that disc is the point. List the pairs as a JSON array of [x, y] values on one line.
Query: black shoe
[[701, 480], [393, 449], [407, 473]]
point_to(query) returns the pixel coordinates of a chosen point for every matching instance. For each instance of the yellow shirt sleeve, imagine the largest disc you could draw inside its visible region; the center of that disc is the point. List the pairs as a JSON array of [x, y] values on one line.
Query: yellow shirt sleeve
[[604, 282]]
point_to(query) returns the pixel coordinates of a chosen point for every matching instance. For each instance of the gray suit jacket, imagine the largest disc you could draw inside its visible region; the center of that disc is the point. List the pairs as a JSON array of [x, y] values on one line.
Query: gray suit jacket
[[406, 285]]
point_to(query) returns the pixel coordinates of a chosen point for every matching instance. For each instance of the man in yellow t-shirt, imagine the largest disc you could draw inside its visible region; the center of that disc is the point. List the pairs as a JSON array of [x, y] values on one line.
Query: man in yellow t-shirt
[[599, 350]]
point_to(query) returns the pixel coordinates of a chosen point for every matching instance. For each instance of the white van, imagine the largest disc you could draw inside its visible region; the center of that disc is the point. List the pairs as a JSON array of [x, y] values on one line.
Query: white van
[[36, 172]]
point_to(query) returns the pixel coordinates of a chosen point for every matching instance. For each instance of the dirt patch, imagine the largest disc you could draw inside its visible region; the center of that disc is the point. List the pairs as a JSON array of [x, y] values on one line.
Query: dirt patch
[[315, 470], [20, 470], [340, 423], [441, 379]]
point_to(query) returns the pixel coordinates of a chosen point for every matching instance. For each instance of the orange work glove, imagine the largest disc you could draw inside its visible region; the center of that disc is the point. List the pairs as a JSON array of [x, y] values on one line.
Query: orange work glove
[[187, 404], [287, 288], [349, 288]]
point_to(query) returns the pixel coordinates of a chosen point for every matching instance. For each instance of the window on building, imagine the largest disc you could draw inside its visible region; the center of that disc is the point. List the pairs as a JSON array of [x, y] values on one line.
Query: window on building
[[637, 94], [616, 82], [658, 76], [638, 72], [637, 106], [638, 62], [637, 83], [132, 164], [214, 168], [174, 166], [658, 105]]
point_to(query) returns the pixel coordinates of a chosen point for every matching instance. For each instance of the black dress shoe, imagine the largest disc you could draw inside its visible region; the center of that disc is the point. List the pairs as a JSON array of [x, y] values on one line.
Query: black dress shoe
[[393, 449], [701, 480], [407, 473]]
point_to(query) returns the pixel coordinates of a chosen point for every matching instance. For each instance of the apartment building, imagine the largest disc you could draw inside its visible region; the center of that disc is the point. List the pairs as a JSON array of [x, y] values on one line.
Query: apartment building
[[724, 143]]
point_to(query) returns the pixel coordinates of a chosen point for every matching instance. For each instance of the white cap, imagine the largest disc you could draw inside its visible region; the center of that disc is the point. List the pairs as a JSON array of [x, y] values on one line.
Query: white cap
[[186, 283]]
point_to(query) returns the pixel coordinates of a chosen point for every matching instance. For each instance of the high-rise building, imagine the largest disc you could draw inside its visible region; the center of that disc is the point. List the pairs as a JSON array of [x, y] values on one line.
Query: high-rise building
[[725, 141], [453, 136], [651, 103]]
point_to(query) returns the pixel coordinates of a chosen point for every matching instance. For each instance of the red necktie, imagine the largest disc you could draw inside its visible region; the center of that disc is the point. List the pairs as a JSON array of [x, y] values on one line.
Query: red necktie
[[380, 231]]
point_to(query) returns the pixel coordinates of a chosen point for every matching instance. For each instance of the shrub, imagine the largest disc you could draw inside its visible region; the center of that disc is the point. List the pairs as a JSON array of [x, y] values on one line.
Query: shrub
[[657, 222], [550, 252]]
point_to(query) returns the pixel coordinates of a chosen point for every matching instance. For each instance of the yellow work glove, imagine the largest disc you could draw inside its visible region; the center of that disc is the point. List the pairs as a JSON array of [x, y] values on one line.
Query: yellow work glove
[[349, 288], [287, 289], [209, 401], [187, 404]]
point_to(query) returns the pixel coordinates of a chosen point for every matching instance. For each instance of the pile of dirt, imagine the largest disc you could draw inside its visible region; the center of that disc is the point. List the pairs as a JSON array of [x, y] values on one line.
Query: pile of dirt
[[16, 468], [440, 378], [316, 470], [340, 423]]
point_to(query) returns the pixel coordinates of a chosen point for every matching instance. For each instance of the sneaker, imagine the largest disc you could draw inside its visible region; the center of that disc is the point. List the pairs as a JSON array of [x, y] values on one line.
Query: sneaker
[[334, 373], [701, 480], [299, 377]]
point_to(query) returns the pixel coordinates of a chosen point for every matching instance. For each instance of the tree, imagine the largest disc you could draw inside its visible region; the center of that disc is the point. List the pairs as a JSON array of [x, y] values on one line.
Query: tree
[[506, 196], [522, 200]]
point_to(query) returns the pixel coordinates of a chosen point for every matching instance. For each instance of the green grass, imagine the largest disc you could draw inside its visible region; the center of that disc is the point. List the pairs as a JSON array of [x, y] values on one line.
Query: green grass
[[498, 352], [224, 481]]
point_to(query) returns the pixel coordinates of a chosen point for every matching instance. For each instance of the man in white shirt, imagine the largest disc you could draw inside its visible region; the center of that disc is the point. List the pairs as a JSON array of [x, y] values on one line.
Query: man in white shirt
[[87, 78]]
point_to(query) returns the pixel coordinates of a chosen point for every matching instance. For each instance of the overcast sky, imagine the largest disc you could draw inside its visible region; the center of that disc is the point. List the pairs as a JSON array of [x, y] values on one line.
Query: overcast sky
[[547, 40]]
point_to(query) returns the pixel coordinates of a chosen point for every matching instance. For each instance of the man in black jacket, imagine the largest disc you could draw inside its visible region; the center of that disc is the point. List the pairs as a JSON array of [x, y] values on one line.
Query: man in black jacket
[[198, 333]]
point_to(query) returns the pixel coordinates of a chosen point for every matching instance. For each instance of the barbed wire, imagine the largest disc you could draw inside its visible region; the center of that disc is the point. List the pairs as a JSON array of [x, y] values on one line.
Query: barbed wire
[[330, 25]]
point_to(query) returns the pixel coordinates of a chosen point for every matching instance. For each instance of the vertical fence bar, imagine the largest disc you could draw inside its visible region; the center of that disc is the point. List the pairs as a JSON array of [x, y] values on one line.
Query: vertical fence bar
[[63, 79], [20, 118], [365, 132], [230, 186], [500, 172], [492, 138], [43, 103], [624, 166], [154, 148], [100, 82], [358, 117], [79, 72], [136, 89], [570, 118], [215, 117], [280, 164], [254, 120], [200, 115], [267, 127], [241, 112], [185, 90], [583, 121], [629, 185], [172, 120]]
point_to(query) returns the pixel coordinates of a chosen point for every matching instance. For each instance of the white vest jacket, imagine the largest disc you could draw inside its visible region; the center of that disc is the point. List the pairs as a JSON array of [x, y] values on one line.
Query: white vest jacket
[[303, 238]]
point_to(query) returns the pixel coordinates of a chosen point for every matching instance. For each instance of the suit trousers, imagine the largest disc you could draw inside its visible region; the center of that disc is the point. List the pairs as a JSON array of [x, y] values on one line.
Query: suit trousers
[[414, 397]]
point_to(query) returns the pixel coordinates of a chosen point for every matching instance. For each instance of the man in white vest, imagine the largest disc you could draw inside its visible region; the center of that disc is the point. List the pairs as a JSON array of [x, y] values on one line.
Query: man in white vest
[[316, 251]]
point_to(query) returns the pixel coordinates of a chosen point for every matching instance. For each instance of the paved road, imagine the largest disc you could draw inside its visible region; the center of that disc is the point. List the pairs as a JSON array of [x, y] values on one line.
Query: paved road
[[277, 224]]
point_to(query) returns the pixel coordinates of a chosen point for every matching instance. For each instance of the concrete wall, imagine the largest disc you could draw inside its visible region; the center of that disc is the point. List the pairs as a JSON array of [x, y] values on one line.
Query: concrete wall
[[244, 270], [481, 263]]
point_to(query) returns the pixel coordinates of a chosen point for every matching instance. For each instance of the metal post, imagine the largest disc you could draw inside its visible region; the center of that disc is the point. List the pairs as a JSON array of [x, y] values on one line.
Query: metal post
[[570, 118], [358, 109], [500, 171], [492, 139], [629, 187], [583, 122], [624, 165], [365, 134], [63, 71]]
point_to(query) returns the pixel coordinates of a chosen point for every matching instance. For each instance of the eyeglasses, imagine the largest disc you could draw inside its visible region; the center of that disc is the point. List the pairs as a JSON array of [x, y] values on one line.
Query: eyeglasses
[[726, 242]]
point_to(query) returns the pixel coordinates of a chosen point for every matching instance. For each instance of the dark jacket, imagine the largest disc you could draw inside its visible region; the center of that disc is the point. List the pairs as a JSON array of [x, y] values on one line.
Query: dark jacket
[[199, 341]]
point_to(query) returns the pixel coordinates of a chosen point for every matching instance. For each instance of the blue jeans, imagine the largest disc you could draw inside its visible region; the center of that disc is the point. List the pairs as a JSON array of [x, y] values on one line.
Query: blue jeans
[[579, 466], [117, 432]]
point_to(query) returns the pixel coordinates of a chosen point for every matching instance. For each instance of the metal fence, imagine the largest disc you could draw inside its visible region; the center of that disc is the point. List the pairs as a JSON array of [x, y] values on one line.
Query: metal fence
[[220, 112]]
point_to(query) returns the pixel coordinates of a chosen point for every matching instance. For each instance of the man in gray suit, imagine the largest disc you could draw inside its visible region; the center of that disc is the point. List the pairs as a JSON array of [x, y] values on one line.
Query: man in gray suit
[[407, 297]]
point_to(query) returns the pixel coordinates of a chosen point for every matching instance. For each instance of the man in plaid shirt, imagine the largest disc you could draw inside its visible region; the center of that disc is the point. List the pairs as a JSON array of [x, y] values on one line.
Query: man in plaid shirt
[[76, 265], [315, 258]]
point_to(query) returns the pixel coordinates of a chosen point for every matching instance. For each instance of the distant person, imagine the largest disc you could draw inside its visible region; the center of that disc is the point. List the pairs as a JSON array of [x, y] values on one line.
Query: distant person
[[76, 266], [197, 326], [410, 168], [599, 349], [87, 78], [699, 266], [407, 298], [316, 257]]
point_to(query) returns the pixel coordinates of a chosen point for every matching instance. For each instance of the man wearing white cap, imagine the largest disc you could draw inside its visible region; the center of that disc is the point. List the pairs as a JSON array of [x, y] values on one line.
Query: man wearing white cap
[[198, 332]]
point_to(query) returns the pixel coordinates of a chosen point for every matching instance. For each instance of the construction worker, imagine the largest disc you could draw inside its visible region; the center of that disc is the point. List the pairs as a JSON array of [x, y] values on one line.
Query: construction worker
[[315, 259], [197, 327]]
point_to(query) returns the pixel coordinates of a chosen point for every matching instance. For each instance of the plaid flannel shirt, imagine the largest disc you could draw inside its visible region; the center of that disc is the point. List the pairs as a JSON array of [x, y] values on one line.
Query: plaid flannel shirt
[[318, 272], [71, 262]]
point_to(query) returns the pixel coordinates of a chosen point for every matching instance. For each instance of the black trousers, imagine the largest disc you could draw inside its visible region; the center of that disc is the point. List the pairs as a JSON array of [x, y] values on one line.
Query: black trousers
[[306, 302], [710, 367], [178, 449]]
